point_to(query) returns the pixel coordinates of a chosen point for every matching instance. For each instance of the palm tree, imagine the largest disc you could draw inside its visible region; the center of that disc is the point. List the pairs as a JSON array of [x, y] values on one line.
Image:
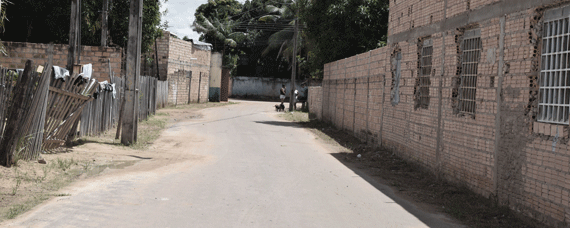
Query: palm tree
[[284, 17], [2, 18], [222, 31]]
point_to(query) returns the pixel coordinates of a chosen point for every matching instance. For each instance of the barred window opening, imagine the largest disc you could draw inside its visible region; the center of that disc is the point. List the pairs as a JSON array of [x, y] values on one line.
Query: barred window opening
[[425, 73], [469, 63], [554, 95]]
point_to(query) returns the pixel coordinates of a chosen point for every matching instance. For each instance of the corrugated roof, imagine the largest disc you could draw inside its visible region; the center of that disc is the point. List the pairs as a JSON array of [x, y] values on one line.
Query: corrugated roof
[[202, 45]]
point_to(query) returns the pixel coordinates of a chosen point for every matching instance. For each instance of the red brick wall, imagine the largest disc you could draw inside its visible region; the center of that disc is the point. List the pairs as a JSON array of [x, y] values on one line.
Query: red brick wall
[[18, 53], [501, 150]]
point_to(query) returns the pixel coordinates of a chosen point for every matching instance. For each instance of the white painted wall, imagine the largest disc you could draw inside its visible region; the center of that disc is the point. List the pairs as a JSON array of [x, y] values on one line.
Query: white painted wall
[[254, 86]]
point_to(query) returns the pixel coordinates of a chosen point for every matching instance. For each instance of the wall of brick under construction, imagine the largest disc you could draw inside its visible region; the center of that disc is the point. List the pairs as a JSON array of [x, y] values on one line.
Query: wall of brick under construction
[[501, 151], [18, 53], [185, 67]]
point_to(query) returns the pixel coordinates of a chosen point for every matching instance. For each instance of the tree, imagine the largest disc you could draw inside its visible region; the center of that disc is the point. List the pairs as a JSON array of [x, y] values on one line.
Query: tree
[[48, 21], [283, 17], [219, 9], [221, 34], [343, 28]]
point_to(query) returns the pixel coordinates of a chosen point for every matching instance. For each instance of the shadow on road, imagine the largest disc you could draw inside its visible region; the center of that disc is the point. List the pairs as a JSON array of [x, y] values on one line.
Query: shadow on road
[[280, 123], [415, 188]]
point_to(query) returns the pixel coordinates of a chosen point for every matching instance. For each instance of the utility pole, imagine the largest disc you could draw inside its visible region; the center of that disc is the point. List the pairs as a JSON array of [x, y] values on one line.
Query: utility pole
[[74, 31], [104, 23], [130, 120], [294, 72]]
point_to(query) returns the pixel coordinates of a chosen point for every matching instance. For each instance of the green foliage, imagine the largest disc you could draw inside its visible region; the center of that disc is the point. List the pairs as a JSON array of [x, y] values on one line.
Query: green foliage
[[343, 28], [329, 30], [222, 34], [47, 21], [219, 9]]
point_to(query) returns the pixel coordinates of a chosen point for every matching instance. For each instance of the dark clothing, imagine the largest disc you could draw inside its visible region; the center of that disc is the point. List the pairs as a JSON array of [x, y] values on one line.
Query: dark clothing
[[282, 91]]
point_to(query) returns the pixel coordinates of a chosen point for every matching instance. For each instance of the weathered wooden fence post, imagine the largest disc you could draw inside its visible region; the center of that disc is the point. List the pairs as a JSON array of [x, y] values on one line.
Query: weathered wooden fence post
[[9, 142]]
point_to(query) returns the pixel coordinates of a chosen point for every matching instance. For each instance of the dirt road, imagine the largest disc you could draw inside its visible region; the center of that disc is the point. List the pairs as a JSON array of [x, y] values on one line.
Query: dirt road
[[242, 166]]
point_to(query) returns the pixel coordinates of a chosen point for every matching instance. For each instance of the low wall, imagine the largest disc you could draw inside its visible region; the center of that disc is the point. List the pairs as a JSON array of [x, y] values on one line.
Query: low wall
[[262, 87], [18, 53]]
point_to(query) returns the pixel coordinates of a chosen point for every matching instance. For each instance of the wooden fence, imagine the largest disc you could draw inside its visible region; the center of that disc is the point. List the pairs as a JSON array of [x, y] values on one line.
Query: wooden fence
[[102, 114], [161, 94], [37, 112]]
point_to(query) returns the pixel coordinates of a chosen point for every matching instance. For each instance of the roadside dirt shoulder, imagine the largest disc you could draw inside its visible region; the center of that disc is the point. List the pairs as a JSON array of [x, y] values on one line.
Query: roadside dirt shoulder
[[30, 183]]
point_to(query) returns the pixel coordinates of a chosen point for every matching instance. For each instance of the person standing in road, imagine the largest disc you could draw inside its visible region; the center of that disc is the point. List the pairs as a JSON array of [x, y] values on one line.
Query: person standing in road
[[282, 93]]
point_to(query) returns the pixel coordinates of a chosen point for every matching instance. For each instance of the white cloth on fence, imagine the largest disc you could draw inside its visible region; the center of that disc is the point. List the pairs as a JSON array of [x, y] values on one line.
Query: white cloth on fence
[[86, 71], [20, 71], [60, 72], [114, 91]]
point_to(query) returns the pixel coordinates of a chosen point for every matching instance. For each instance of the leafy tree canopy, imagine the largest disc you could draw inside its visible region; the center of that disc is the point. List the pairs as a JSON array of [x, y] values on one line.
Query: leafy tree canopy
[[47, 21], [219, 9], [343, 28]]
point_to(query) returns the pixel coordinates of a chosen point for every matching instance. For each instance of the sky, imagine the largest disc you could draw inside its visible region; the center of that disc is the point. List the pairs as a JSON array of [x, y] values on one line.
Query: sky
[[181, 15]]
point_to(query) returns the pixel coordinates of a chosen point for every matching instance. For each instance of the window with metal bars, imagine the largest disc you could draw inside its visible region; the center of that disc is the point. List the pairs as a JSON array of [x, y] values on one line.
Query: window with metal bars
[[471, 54], [425, 73], [554, 95]]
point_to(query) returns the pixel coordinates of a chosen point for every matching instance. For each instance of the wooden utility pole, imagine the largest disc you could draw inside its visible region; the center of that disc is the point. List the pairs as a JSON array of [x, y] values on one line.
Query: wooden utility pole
[[130, 118], [294, 72], [74, 31], [104, 23]]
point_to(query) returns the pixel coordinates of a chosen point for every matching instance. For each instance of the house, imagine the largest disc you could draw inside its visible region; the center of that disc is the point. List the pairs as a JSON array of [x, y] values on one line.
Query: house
[[477, 91]]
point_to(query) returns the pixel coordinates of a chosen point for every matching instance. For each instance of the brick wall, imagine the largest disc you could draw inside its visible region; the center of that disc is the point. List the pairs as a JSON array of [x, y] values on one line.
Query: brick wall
[[186, 68], [500, 151], [315, 101], [18, 53]]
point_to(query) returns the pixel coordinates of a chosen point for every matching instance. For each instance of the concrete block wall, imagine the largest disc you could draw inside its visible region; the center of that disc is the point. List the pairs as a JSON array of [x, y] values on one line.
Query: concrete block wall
[[501, 151], [18, 53], [315, 101], [177, 58], [262, 87]]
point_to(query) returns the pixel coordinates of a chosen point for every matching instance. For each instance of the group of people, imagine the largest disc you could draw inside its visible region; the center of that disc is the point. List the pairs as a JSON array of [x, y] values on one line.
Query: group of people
[[297, 97]]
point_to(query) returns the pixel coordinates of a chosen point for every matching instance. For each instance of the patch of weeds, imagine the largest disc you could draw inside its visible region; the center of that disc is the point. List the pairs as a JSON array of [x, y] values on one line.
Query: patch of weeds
[[15, 210], [45, 170], [15, 188], [162, 114], [86, 165], [149, 131], [297, 116], [65, 164], [18, 209]]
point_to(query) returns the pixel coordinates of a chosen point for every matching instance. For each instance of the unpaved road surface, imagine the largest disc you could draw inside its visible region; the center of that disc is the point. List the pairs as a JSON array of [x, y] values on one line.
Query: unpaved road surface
[[242, 167]]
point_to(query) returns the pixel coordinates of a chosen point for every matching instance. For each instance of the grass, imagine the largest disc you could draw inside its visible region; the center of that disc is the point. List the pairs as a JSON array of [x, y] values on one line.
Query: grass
[[38, 183], [149, 131], [18, 209], [296, 116]]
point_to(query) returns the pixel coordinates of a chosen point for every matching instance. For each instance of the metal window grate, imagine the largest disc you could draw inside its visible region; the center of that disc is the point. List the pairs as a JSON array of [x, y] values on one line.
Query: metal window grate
[[425, 73], [554, 100], [469, 63]]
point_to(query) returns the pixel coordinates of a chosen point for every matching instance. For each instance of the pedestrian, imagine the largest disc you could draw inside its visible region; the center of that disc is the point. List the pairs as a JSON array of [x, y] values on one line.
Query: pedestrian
[[282, 94]]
